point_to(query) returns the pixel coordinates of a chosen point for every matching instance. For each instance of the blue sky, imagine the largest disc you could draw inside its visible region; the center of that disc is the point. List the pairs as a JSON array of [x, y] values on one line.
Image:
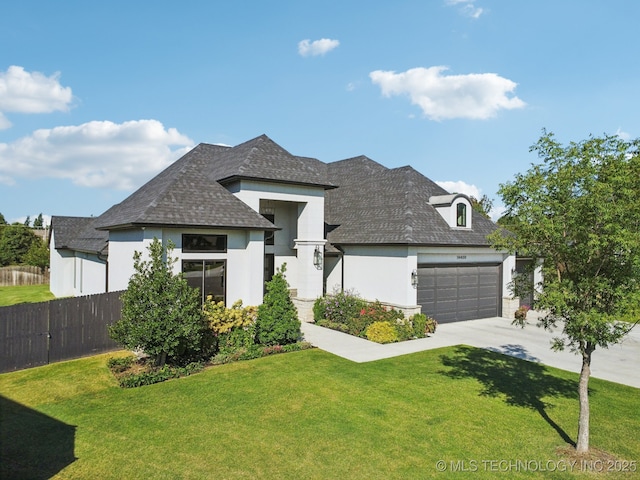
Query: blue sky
[[98, 97]]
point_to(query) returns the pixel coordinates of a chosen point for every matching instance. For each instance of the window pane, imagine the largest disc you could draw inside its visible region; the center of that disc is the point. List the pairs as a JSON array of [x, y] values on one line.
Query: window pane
[[204, 243], [208, 276], [461, 217]]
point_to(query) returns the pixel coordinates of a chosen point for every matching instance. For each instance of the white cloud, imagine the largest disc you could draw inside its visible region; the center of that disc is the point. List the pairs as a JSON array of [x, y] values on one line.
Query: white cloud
[[31, 92], [622, 134], [475, 95], [95, 154], [460, 187], [466, 8], [308, 48]]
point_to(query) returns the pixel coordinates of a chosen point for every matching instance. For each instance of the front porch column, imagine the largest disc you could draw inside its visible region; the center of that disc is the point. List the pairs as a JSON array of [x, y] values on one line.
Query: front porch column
[[310, 275]]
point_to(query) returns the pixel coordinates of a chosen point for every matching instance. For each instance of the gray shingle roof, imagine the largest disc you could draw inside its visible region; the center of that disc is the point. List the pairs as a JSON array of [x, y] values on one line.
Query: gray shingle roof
[[263, 159], [190, 192], [376, 205], [80, 234]]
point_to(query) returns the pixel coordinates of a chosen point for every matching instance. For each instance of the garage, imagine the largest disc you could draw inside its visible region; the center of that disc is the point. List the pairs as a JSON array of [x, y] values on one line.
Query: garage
[[452, 293]]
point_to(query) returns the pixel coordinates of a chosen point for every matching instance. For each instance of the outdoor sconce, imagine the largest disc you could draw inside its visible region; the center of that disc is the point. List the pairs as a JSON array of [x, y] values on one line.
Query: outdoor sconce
[[414, 279], [317, 258]]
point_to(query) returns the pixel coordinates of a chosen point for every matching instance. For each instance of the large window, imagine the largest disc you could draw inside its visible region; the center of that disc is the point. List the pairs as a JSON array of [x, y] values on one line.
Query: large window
[[461, 215], [204, 243], [208, 276]]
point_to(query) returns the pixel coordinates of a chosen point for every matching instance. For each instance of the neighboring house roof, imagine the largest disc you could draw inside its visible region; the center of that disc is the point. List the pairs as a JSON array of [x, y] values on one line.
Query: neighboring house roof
[[79, 233], [377, 205]]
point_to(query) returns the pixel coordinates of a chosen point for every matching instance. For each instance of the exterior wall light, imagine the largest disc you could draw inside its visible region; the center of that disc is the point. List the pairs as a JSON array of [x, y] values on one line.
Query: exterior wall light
[[317, 258], [414, 279]]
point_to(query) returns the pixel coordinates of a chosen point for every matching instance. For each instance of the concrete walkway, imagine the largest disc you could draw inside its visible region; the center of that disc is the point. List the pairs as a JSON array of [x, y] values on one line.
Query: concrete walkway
[[620, 363]]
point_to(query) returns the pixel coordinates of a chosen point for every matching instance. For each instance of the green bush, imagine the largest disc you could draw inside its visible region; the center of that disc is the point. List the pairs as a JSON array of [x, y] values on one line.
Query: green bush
[[358, 325], [382, 332], [377, 312], [231, 328], [161, 313], [155, 374], [338, 307], [419, 323], [277, 322], [404, 329], [341, 327], [120, 364]]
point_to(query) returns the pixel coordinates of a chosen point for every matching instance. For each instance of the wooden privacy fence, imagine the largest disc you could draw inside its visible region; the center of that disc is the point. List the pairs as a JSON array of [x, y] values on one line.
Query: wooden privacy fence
[[22, 275], [36, 334]]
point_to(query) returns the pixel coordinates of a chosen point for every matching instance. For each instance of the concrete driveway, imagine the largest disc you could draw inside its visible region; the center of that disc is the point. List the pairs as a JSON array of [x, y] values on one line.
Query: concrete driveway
[[620, 363]]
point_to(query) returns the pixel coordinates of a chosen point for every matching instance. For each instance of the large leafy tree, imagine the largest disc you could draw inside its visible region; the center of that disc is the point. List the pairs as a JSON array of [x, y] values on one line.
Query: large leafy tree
[[15, 242], [577, 215], [161, 314]]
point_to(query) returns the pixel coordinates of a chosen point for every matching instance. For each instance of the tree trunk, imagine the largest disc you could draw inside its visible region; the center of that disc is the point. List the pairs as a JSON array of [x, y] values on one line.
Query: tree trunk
[[582, 445]]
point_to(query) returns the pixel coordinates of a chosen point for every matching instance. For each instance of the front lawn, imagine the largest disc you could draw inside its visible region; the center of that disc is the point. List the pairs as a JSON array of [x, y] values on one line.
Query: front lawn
[[25, 294], [310, 414]]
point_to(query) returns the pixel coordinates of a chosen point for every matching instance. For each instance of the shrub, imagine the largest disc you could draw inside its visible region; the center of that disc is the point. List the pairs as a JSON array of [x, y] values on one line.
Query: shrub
[[521, 312], [358, 325], [419, 322], [404, 329], [231, 328], [376, 312], [147, 374], [120, 364], [161, 314], [277, 321], [431, 325], [338, 307], [341, 327], [382, 332]]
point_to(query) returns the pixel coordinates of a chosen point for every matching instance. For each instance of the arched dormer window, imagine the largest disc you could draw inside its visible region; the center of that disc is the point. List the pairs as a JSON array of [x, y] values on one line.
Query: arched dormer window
[[455, 209], [461, 215]]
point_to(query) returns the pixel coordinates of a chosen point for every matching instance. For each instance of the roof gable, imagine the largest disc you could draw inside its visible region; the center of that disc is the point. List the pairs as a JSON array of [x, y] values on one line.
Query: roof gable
[[182, 195], [263, 159]]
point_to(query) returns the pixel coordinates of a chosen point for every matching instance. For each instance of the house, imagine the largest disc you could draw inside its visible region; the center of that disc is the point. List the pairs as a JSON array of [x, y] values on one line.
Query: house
[[235, 214]]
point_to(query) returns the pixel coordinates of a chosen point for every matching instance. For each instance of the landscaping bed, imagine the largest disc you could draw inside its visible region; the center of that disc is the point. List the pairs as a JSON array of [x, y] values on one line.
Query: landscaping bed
[[348, 313]]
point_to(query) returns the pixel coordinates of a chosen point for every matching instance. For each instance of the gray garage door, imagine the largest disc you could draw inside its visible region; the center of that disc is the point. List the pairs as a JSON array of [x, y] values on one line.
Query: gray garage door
[[460, 292]]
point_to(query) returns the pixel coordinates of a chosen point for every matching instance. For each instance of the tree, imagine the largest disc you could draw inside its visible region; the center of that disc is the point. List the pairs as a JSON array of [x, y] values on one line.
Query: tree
[[27, 222], [15, 242], [161, 314], [277, 322], [38, 222], [577, 215], [483, 205], [3, 221], [37, 255]]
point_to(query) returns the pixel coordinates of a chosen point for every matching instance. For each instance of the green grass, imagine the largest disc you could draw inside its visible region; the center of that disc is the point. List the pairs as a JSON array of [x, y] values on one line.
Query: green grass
[[308, 414], [24, 294]]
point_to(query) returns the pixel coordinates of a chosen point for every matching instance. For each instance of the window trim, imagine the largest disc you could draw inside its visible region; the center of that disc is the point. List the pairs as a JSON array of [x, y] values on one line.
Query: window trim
[[187, 249], [461, 215]]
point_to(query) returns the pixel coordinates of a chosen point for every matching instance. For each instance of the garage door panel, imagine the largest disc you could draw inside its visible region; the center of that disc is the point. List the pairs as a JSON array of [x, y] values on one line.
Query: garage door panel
[[456, 293]]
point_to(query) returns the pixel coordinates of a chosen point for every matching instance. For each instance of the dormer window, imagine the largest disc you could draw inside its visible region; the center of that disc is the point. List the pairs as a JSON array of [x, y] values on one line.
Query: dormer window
[[461, 215], [455, 209]]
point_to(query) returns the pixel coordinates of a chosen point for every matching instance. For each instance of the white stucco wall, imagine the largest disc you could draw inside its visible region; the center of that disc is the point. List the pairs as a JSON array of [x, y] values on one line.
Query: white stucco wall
[[76, 273], [62, 271], [379, 273], [304, 208], [244, 258]]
